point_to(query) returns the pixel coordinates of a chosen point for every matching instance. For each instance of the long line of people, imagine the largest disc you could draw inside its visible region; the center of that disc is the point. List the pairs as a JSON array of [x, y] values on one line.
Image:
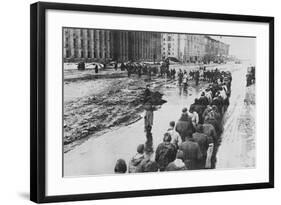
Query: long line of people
[[142, 68], [201, 74], [162, 69], [191, 143]]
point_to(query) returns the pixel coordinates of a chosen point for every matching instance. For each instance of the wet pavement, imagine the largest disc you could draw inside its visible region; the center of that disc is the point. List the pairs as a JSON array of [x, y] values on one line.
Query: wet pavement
[[98, 155]]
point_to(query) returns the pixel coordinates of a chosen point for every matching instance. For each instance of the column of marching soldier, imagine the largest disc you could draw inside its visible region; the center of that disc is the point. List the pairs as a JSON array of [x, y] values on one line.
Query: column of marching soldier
[[190, 143]]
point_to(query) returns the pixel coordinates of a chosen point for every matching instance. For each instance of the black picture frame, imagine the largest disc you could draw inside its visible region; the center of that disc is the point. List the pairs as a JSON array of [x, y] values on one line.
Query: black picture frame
[[38, 100]]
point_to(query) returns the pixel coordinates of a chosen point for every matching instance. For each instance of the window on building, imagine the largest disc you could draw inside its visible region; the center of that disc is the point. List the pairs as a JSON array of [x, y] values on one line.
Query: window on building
[[67, 53], [76, 53], [169, 46], [169, 38]]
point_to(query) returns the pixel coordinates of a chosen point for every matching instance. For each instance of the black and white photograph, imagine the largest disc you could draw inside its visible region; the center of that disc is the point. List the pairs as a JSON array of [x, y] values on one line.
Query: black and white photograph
[[134, 102], [142, 101]]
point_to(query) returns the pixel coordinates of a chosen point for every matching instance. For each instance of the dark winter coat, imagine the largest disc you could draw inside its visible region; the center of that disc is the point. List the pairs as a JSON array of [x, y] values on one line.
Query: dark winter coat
[[218, 101], [215, 123], [165, 153], [206, 112], [210, 131], [147, 165], [192, 154], [203, 141], [204, 100], [199, 108], [185, 127]]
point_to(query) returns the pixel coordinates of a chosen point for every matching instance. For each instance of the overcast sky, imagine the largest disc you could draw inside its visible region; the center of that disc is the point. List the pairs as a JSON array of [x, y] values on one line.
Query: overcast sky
[[241, 47]]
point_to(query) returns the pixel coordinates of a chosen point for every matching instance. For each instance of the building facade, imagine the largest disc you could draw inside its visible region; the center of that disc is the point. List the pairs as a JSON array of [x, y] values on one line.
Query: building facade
[[144, 46], [87, 44], [120, 45], [215, 50], [191, 48], [105, 45], [169, 45], [195, 48]]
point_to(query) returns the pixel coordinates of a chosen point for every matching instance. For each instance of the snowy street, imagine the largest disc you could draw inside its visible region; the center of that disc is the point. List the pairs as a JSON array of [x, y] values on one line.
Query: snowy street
[[97, 155]]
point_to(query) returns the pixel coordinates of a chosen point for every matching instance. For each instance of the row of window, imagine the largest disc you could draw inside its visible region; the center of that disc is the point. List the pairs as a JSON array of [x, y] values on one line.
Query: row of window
[[75, 43], [87, 54], [80, 32]]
